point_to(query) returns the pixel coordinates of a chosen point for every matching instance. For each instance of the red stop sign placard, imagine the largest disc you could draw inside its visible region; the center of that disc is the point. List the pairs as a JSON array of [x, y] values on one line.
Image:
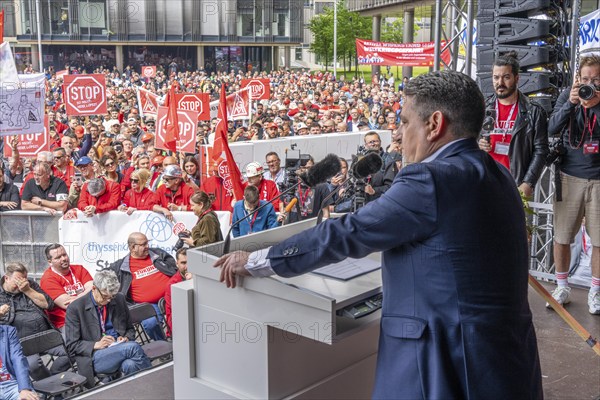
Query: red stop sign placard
[[149, 71], [30, 144], [188, 126], [260, 89], [198, 102], [85, 94]]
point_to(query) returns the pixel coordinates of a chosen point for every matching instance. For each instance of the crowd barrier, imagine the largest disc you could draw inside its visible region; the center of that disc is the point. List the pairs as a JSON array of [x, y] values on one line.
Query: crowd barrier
[[93, 242]]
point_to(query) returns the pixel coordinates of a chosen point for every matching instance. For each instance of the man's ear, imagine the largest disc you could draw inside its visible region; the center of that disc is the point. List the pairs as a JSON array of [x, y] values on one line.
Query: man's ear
[[437, 125]]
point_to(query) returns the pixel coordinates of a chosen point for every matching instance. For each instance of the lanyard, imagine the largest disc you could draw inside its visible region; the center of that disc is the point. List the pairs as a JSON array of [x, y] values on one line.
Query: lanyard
[[303, 198], [589, 125], [251, 223], [75, 281], [102, 317], [512, 110]]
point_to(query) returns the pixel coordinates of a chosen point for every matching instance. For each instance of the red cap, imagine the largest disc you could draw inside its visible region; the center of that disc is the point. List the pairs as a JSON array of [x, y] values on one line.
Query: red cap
[[147, 137], [158, 160], [79, 131]]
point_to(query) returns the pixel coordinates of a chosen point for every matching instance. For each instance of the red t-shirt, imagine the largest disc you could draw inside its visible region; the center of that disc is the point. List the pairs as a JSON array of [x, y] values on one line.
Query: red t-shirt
[[148, 283], [56, 284], [501, 136]]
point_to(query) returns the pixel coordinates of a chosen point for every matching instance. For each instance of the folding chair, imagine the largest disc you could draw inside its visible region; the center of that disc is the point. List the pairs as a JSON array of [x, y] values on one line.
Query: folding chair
[[154, 349], [163, 310], [54, 385]]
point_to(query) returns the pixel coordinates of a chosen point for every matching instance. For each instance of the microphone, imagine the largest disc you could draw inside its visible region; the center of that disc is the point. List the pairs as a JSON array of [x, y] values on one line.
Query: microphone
[[367, 165], [327, 168], [291, 205], [319, 173]]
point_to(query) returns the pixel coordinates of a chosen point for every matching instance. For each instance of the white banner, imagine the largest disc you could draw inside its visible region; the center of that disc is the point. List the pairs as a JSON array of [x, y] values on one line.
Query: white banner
[[589, 33], [21, 110], [98, 241], [8, 69]]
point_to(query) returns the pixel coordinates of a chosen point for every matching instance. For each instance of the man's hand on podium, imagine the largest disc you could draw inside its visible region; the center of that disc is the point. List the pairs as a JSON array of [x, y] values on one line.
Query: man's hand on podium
[[233, 264]]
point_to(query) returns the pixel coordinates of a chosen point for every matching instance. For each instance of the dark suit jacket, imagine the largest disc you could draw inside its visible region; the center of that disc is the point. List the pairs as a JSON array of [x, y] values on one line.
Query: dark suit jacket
[[82, 329], [13, 358], [456, 322]]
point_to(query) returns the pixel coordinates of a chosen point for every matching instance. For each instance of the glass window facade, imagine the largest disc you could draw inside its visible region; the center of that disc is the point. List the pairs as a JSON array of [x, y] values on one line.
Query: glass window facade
[[237, 58]]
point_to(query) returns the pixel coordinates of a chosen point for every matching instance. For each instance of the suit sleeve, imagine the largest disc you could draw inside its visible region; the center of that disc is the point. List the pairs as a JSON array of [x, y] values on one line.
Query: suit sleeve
[[18, 360], [75, 343], [406, 213]]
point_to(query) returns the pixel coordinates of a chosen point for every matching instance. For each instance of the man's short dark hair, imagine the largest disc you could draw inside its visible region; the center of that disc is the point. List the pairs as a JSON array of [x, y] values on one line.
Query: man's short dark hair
[[509, 59], [181, 252], [454, 94], [272, 153], [51, 247], [251, 194]]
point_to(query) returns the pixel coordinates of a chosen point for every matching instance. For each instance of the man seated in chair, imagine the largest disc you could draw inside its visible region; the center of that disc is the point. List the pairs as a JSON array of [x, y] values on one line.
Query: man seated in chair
[[100, 334], [22, 305], [14, 374], [143, 274]]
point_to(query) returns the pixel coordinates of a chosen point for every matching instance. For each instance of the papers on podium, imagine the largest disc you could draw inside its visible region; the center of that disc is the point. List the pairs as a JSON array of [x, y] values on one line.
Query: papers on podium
[[349, 268]]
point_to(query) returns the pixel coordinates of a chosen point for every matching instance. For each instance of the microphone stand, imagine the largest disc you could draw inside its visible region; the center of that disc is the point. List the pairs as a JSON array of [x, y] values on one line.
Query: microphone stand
[[227, 241], [328, 197]]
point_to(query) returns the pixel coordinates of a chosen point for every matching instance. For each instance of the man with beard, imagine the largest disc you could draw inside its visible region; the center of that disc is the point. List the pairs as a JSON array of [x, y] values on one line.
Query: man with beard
[[519, 140]]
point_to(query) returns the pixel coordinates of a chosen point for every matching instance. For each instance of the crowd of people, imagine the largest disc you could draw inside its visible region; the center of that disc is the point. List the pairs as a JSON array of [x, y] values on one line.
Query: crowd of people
[[109, 162]]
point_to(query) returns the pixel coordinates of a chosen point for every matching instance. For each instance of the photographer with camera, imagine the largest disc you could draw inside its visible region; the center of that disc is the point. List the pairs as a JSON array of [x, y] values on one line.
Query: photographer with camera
[[575, 118], [518, 139]]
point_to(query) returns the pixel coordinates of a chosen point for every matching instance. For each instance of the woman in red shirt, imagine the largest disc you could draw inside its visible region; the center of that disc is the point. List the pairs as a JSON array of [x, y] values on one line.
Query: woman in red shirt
[[139, 197]]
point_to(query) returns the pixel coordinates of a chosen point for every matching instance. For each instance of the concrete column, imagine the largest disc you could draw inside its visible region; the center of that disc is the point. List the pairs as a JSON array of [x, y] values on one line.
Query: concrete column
[[35, 58], [376, 37], [288, 56], [275, 58], [200, 56], [119, 59], [408, 36]]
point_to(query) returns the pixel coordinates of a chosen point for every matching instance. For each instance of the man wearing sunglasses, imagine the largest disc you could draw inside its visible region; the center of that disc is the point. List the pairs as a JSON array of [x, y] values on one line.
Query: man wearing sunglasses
[[99, 332]]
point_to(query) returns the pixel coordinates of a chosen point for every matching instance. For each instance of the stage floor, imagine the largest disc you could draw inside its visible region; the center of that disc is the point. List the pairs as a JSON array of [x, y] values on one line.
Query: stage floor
[[570, 368]]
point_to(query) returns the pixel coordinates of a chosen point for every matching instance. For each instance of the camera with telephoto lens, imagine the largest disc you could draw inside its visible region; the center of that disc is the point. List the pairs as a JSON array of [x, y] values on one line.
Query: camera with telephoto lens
[[294, 160], [587, 91], [180, 242]]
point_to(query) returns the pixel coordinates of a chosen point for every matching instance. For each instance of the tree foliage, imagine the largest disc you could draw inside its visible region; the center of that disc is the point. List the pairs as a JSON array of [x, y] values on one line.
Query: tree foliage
[[393, 32], [350, 26]]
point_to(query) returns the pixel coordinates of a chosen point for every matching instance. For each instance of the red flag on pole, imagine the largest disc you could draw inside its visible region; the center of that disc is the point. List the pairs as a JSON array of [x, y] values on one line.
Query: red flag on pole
[[2, 26], [221, 154], [172, 134]]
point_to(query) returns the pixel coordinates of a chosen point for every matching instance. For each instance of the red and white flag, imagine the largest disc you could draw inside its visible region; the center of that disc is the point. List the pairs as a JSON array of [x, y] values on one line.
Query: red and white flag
[[1, 25], [221, 154], [238, 106], [172, 135], [148, 102]]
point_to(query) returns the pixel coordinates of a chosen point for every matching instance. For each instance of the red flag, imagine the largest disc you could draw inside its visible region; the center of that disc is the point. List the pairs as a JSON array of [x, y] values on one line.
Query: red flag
[[221, 154], [172, 136], [2, 26]]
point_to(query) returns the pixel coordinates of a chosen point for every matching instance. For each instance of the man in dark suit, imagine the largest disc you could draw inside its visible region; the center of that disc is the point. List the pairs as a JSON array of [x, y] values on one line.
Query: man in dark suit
[[99, 331], [451, 220]]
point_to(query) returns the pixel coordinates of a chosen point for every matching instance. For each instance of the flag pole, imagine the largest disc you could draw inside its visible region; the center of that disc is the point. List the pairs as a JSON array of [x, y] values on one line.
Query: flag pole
[[39, 35]]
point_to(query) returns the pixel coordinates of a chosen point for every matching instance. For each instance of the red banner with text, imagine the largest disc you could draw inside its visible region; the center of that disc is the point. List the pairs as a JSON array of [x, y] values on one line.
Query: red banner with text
[[420, 54]]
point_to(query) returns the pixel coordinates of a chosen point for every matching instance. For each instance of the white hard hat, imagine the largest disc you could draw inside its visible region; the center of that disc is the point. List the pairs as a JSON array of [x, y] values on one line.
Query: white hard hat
[[254, 169]]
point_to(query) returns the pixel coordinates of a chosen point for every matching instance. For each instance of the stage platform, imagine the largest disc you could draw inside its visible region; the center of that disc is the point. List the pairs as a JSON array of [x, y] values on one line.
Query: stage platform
[[570, 368]]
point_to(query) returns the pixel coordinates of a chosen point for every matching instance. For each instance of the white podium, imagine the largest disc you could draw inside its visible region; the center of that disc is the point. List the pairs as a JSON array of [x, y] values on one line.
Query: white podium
[[272, 338]]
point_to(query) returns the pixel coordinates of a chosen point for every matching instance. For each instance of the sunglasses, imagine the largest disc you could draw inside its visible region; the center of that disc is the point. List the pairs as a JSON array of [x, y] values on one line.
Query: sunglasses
[[134, 180], [109, 164]]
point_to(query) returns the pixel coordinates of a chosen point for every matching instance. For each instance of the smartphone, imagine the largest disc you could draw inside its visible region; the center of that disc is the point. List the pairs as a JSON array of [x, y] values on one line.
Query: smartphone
[[77, 178]]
